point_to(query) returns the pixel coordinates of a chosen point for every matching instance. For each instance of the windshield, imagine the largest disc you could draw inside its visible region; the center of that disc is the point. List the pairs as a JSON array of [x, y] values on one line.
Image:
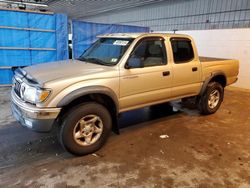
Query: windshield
[[106, 51]]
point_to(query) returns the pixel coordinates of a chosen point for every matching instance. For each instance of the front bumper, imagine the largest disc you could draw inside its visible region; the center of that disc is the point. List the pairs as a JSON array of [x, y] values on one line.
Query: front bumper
[[32, 117]]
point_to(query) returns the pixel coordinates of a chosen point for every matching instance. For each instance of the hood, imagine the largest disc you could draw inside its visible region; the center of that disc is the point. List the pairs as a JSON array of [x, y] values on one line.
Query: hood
[[47, 72]]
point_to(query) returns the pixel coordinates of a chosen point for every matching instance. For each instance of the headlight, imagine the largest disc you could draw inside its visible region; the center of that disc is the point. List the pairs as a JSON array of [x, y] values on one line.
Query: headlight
[[33, 94]]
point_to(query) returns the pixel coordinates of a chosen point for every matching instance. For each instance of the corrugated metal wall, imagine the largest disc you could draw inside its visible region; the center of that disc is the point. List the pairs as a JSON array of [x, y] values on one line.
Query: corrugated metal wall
[[182, 15]]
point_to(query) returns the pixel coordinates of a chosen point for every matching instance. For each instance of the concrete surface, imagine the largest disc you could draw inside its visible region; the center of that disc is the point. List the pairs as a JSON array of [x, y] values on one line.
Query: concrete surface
[[156, 148]]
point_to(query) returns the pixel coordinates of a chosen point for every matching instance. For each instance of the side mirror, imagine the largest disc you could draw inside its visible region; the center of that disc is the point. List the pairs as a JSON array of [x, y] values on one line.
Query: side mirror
[[127, 66], [133, 62]]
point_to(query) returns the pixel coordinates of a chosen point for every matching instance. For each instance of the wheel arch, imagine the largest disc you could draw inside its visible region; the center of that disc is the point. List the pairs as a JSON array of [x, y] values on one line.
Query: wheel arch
[[219, 77], [99, 94]]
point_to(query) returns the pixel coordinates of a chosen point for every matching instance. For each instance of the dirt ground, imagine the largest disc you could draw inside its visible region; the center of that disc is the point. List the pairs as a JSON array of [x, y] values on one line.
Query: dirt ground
[[156, 148]]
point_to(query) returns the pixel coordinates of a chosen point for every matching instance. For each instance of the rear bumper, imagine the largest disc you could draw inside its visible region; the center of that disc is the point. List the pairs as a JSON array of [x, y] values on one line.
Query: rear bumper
[[32, 117]]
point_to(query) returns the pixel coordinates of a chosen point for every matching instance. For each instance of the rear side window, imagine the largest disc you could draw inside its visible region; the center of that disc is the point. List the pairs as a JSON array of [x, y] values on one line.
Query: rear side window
[[182, 50]]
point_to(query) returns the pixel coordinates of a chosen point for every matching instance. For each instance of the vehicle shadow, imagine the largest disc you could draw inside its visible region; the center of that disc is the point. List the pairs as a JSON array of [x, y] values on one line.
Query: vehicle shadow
[[157, 112], [148, 114]]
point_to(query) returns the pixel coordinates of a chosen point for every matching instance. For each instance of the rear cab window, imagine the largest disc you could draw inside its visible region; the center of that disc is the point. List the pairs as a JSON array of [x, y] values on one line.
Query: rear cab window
[[182, 50]]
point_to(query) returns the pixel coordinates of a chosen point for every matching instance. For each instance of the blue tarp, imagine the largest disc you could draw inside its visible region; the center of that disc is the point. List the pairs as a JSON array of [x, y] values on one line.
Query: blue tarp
[[6, 76], [53, 36], [84, 33], [62, 36], [34, 38]]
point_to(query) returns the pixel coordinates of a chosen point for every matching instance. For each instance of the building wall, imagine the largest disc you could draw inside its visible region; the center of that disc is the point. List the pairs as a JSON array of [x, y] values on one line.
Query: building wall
[[182, 15]]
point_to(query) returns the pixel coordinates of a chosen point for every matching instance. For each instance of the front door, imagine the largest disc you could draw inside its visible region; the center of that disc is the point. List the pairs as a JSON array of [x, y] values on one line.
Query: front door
[[146, 77]]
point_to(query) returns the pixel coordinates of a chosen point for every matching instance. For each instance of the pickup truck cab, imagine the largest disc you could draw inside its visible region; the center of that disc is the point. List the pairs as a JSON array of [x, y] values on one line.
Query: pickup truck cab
[[118, 73]]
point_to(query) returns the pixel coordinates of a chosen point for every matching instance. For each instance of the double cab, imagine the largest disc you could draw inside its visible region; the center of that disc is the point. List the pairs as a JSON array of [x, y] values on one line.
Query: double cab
[[119, 72]]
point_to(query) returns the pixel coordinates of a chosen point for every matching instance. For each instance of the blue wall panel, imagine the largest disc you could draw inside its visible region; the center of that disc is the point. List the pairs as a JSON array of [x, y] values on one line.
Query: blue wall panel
[[42, 39], [41, 56], [85, 33], [41, 21], [6, 76], [15, 58], [14, 38], [13, 19], [31, 38], [62, 37]]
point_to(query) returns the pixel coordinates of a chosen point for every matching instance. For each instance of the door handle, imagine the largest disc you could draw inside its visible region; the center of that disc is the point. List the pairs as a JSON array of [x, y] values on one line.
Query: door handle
[[194, 69], [166, 73]]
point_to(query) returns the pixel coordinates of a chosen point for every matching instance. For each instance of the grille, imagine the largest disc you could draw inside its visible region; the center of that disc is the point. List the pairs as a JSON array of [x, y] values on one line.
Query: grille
[[17, 88]]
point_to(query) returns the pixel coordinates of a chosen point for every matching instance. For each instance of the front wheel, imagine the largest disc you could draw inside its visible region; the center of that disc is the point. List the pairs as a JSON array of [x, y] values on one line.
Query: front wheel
[[85, 128], [211, 100]]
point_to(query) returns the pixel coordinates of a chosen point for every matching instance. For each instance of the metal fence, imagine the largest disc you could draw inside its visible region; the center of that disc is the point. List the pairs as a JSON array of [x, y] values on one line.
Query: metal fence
[[183, 15]]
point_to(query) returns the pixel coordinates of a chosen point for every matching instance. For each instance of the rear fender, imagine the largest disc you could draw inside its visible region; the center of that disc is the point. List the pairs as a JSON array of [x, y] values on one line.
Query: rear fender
[[208, 80]]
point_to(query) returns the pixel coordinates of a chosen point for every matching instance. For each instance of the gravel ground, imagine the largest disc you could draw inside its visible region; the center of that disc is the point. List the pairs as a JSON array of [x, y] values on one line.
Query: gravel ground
[[156, 148]]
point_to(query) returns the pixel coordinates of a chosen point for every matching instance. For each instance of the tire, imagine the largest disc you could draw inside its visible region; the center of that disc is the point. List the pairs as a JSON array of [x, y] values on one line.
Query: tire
[[85, 128], [208, 105]]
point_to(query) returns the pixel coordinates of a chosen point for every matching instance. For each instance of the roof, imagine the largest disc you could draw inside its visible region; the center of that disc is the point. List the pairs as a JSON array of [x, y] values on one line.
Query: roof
[[122, 35], [135, 35], [77, 9]]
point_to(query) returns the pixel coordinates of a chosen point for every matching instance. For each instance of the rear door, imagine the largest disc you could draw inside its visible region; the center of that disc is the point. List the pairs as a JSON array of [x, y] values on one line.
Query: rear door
[[146, 77], [186, 68]]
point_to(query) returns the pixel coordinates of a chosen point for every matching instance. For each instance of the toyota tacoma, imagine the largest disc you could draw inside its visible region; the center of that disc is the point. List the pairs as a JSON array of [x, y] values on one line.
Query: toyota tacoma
[[119, 72]]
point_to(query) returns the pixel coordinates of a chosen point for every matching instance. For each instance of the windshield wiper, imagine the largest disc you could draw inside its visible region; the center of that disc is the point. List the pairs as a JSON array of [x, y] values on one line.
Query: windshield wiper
[[81, 59], [95, 60]]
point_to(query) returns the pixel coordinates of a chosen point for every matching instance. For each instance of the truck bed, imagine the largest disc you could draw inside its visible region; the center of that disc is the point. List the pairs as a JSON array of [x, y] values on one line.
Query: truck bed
[[206, 59], [229, 67]]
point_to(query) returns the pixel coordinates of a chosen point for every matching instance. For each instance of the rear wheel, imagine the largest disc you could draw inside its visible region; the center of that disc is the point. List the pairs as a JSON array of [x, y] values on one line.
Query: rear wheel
[[211, 100], [85, 128]]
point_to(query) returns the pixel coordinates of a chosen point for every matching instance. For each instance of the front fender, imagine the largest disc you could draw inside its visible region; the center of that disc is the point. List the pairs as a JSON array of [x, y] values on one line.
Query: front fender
[[88, 90]]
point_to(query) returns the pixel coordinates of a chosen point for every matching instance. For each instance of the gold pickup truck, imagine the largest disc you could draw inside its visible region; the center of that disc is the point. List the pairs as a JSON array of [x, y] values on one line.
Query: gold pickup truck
[[119, 72]]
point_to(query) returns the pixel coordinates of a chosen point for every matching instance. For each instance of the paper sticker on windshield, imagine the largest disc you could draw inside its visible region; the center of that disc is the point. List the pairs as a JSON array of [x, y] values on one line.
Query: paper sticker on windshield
[[113, 60], [121, 42]]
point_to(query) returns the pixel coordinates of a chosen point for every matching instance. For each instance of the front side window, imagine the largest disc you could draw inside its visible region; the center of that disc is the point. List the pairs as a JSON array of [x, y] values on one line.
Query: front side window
[[182, 50], [106, 51], [148, 52]]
